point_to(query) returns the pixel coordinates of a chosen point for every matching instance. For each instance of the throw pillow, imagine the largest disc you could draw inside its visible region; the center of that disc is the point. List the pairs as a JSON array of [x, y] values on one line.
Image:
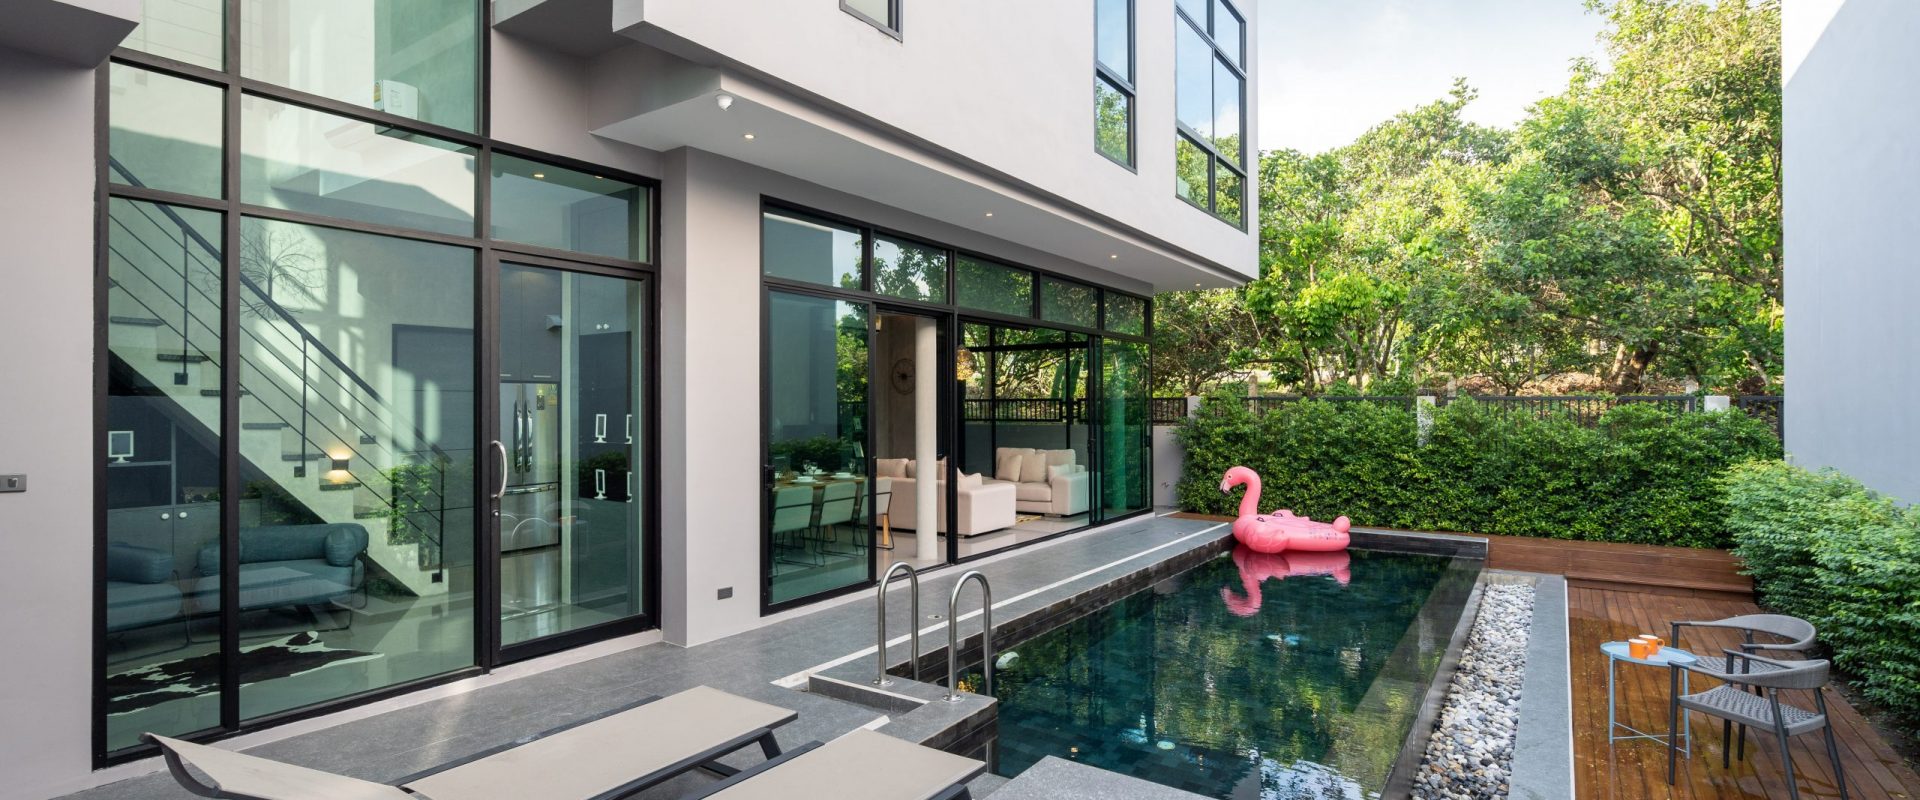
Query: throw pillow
[[968, 481], [1007, 467], [1033, 468], [890, 467]]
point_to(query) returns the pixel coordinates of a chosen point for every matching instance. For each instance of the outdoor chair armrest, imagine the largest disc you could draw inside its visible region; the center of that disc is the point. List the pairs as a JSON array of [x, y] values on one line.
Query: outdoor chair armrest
[[1786, 675], [1736, 623]]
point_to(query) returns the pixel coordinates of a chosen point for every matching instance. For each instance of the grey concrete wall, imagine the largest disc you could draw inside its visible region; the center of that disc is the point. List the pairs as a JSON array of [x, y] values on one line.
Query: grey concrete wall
[[1169, 458], [1007, 84], [46, 423], [1852, 206]]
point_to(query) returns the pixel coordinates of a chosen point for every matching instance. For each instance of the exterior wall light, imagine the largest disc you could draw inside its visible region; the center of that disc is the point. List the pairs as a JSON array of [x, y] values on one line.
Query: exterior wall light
[[724, 101]]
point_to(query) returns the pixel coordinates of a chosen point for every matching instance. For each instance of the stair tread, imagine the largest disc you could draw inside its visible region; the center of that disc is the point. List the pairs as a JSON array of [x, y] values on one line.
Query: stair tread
[[151, 322], [263, 426]]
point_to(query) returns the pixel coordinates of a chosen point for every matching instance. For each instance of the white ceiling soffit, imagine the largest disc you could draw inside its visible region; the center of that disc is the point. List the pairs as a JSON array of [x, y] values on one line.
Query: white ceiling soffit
[[806, 142]]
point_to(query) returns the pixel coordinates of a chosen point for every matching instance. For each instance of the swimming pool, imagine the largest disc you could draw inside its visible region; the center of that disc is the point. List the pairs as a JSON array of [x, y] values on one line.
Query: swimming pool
[[1294, 676]]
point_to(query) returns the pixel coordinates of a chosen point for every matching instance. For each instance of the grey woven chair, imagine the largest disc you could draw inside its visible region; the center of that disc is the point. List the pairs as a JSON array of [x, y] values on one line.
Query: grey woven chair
[[1798, 634], [1733, 704]]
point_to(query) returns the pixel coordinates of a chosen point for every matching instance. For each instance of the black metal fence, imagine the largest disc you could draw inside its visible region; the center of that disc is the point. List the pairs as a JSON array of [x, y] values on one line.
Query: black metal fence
[[1586, 410]]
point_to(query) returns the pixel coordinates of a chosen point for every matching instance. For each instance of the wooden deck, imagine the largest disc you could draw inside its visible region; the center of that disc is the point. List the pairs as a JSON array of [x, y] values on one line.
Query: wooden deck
[[1637, 769]]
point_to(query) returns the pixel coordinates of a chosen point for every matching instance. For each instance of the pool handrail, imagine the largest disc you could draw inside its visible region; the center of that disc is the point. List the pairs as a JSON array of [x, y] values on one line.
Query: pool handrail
[[913, 621], [953, 635]]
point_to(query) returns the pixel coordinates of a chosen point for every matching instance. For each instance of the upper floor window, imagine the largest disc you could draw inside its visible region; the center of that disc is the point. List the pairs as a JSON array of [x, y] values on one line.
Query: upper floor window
[[419, 59], [1113, 79], [1209, 156], [883, 14]]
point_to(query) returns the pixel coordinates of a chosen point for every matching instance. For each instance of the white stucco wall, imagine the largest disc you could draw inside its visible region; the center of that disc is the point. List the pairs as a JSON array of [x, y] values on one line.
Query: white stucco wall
[[1005, 84], [46, 422], [1852, 207]]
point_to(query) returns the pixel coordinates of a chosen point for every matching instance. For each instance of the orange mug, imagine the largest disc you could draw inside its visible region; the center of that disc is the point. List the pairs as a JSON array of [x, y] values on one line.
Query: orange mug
[[1654, 643], [1637, 647]]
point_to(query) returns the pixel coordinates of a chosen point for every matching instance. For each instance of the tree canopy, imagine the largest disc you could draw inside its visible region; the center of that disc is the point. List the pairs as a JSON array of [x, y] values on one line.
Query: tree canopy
[[1625, 233]]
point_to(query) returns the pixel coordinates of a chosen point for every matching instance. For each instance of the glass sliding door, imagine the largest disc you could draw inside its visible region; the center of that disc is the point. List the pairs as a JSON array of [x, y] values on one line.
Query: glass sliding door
[[570, 434], [817, 496], [1126, 456], [356, 563]]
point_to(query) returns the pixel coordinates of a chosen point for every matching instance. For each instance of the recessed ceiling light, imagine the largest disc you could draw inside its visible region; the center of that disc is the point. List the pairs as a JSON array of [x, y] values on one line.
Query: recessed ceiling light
[[989, 213], [747, 136], [1113, 255], [1196, 285], [540, 175]]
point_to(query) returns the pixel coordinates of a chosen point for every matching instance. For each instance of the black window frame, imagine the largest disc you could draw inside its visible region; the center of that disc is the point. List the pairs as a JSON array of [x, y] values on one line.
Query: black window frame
[[1124, 84], [1216, 160], [891, 27], [489, 654]]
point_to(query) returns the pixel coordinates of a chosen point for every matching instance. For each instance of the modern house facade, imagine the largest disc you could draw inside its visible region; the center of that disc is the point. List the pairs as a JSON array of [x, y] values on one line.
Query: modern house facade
[[1851, 184], [379, 345]]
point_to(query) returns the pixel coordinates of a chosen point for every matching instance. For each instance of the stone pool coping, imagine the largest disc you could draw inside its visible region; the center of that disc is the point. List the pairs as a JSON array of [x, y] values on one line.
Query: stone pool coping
[[1543, 743]]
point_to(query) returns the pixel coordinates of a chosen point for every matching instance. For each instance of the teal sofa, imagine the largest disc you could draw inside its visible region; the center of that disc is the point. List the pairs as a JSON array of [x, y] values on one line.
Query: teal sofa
[[141, 588], [284, 566]]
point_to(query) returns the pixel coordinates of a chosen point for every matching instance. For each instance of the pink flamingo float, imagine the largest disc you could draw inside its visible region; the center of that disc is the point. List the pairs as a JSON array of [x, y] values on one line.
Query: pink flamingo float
[[1256, 567], [1283, 530]]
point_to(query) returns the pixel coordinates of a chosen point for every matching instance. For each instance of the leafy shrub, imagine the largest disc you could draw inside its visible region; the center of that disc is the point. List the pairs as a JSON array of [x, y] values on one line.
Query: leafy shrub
[[1821, 546], [1641, 475]]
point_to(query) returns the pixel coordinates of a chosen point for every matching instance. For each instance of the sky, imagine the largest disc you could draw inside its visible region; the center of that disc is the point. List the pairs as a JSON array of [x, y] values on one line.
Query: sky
[[1331, 69]]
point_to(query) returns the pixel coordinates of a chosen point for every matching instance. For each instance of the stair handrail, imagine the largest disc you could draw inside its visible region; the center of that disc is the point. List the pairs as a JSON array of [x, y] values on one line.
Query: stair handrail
[[953, 635], [913, 619], [278, 309], [308, 339]]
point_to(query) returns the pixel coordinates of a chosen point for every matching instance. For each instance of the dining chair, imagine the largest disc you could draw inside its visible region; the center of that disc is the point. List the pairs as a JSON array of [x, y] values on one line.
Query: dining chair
[[1733, 703], [1798, 635], [837, 502], [882, 504], [792, 515]]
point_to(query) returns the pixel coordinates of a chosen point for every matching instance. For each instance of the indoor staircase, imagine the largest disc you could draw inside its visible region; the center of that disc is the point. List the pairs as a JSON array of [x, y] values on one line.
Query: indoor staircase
[[302, 409]]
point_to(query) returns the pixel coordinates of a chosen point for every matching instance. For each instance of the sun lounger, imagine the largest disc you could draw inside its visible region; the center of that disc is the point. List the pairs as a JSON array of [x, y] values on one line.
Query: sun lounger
[[861, 765], [606, 757]]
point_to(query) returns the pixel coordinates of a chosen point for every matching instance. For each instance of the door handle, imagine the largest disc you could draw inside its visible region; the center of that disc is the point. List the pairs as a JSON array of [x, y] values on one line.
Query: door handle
[[501, 490]]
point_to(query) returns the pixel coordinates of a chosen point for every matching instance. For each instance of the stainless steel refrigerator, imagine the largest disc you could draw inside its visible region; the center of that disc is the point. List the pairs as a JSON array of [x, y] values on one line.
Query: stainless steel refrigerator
[[531, 509]]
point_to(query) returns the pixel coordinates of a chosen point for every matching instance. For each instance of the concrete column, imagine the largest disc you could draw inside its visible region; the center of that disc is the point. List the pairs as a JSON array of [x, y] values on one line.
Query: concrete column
[[1718, 402], [926, 438]]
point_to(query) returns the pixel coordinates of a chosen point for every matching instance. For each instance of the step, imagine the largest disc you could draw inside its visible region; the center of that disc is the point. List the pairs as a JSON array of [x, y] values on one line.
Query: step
[[302, 456], [263, 426], [145, 322], [216, 393], [181, 358]]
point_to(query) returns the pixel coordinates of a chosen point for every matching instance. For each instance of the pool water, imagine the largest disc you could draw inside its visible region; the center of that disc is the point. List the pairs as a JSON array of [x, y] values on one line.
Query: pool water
[[1304, 687]]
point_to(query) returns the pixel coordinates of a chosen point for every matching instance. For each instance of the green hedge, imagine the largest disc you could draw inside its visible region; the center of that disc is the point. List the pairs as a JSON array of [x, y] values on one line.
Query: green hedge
[[1821, 546], [1641, 474]]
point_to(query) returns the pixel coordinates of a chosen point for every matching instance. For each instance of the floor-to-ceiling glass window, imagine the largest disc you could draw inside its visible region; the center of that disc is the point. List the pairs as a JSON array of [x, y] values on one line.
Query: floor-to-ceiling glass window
[[163, 469], [818, 536], [297, 447], [1019, 436], [356, 415]]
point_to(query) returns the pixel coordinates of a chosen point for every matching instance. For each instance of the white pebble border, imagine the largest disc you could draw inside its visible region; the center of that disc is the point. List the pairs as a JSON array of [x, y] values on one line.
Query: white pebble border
[[1470, 756]]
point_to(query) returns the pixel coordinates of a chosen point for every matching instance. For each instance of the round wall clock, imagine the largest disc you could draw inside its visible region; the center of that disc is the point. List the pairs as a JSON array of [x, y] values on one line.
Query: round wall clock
[[903, 376]]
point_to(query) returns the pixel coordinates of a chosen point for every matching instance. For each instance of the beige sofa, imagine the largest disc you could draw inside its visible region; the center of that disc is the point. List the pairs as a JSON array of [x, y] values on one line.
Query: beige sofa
[[1044, 481], [984, 507]]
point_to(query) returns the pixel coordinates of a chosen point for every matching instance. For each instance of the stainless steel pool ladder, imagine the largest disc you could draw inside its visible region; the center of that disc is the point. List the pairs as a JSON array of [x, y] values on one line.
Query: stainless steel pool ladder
[[913, 622], [953, 635]]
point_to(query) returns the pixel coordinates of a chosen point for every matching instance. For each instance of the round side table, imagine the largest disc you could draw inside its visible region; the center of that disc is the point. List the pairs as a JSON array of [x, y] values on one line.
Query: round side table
[[1617, 652]]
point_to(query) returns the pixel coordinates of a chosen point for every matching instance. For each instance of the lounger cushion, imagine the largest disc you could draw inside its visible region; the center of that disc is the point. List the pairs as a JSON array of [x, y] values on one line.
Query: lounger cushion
[[243, 775], [606, 754], [862, 765]]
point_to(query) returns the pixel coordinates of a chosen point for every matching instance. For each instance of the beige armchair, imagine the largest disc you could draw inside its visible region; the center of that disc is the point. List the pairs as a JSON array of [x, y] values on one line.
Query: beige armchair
[[983, 507]]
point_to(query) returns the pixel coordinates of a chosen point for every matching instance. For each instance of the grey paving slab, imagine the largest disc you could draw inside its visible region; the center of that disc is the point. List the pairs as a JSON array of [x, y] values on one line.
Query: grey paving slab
[[1543, 745], [387, 746], [1056, 778]]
